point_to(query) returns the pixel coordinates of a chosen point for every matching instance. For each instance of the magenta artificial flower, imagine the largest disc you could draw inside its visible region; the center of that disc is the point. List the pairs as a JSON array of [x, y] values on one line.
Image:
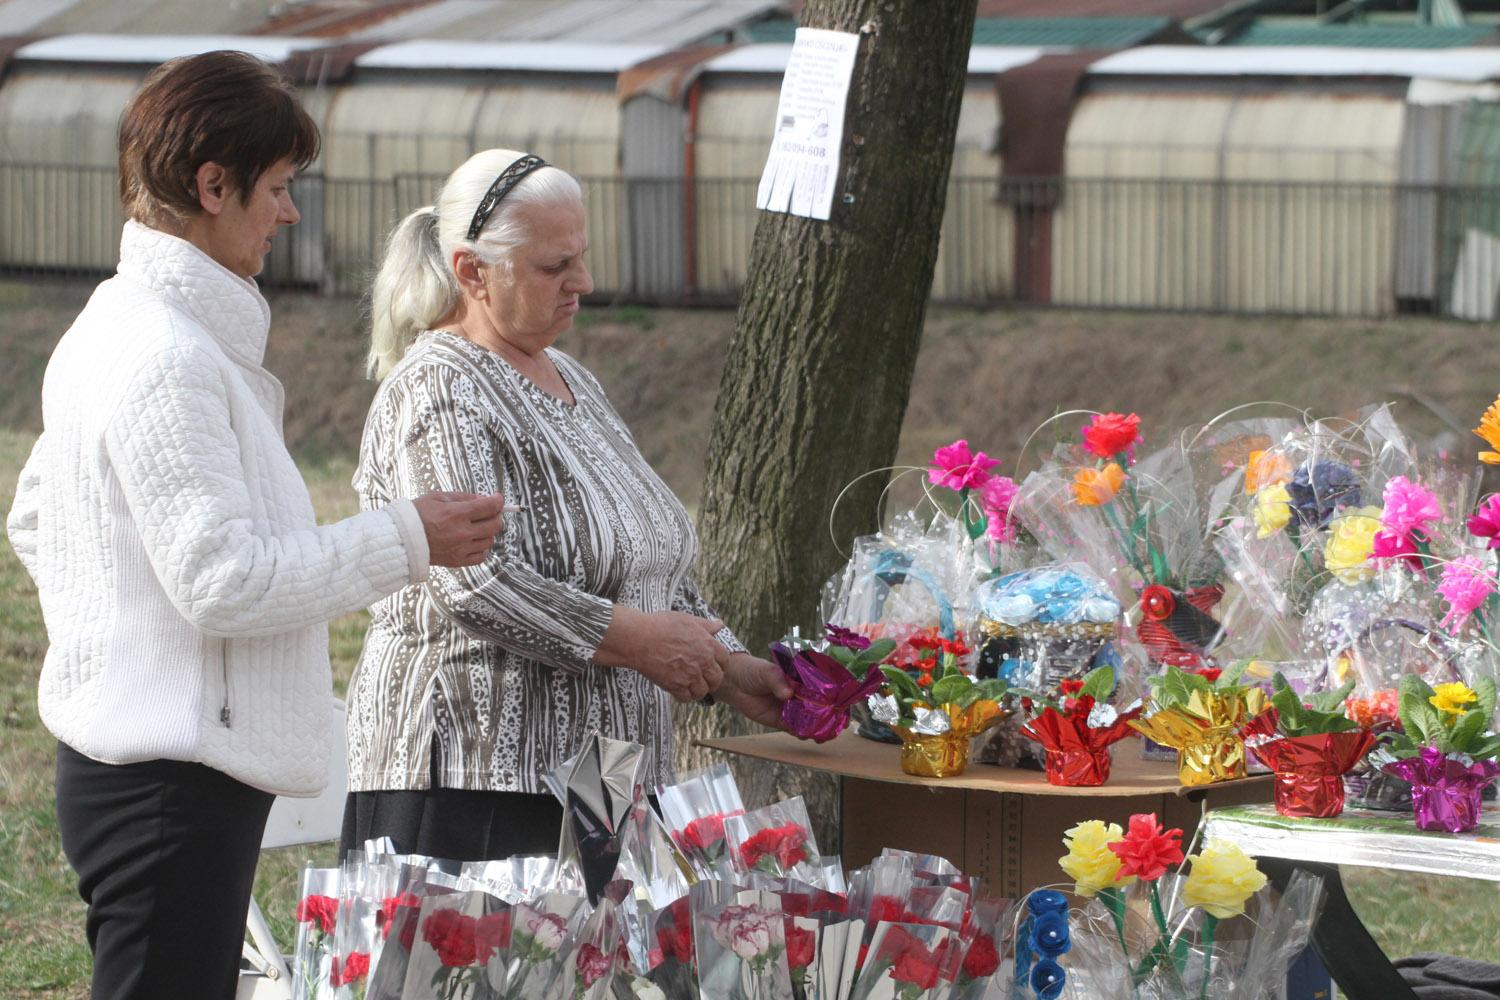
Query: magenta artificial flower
[[1409, 507], [1392, 545], [846, 637], [956, 468], [1486, 520], [996, 497], [1465, 585]]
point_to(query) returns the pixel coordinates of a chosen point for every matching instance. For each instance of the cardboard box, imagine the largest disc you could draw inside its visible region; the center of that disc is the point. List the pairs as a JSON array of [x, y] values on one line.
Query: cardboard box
[[1003, 824]]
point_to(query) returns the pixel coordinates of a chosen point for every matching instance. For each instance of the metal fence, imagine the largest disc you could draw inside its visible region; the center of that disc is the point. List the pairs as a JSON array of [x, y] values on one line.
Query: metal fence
[[1257, 247]]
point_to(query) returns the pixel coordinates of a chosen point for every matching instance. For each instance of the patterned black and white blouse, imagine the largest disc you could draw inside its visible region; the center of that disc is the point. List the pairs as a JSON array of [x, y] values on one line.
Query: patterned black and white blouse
[[483, 675]]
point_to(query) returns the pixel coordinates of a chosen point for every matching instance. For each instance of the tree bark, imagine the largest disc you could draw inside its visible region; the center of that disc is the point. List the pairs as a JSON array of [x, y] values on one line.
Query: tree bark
[[820, 365]]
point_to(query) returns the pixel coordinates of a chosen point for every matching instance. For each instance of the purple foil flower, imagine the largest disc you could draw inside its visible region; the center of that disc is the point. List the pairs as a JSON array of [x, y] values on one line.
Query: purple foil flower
[[1320, 491], [822, 692], [846, 637], [1445, 792]]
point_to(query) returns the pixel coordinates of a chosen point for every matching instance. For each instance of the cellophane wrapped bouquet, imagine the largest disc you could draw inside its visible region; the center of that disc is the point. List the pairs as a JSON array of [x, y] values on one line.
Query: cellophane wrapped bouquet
[[1043, 626], [1158, 924]]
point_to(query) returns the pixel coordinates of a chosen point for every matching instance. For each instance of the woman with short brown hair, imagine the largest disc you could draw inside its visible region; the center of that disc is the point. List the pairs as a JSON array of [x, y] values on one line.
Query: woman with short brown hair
[[184, 580]]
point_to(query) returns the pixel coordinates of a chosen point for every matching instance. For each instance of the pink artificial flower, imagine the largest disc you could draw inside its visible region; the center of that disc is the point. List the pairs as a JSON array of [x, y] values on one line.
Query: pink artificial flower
[[1389, 544], [957, 469], [996, 497], [1465, 585], [1409, 507], [1486, 520]]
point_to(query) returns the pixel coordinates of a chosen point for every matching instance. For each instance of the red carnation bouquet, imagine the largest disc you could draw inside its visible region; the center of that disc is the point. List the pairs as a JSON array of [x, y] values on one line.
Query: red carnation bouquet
[[317, 917], [695, 810], [776, 840]]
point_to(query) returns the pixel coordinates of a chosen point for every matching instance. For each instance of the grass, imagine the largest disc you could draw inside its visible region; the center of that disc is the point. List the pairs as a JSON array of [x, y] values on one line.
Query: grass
[[42, 952]]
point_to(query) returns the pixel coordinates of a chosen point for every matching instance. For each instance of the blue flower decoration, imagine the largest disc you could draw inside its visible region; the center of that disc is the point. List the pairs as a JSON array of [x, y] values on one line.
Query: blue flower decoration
[[1047, 901], [1049, 934], [1318, 491], [1047, 979]]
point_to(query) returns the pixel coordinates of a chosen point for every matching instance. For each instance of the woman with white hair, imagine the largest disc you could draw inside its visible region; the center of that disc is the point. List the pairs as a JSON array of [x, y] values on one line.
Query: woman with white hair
[[583, 618]]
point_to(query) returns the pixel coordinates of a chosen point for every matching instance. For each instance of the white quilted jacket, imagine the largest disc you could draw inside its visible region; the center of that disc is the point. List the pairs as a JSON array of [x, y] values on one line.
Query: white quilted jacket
[[183, 577]]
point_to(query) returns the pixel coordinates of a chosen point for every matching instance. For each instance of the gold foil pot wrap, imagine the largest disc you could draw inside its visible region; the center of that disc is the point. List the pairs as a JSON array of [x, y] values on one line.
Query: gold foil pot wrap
[[1205, 734], [945, 755], [942, 756]]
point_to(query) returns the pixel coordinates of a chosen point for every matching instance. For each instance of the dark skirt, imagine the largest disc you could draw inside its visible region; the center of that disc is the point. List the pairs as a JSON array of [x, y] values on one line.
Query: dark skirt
[[454, 823]]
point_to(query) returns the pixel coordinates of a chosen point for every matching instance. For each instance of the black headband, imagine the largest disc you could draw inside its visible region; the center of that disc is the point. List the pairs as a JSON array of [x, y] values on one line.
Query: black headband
[[504, 185]]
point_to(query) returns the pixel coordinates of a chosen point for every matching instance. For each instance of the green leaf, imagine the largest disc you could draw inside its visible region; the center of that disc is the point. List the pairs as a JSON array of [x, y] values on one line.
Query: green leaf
[[1430, 726], [992, 688], [901, 683], [1485, 689], [864, 659], [1467, 730], [1232, 674], [843, 654], [1331, 701], [1099, 683], [950, 687]]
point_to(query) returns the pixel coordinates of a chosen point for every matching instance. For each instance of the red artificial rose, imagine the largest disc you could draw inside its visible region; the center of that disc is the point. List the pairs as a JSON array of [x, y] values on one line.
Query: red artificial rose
[[1147, 850], [1210, 674], [782, 843], [982, 958], [1109, 434], [320, 910], [386, 915], [947, 956], [354, 968], [917, 966], [1070, 685], [800, 943], [451, 935], [592, 964], [897, 940], [492, 935]]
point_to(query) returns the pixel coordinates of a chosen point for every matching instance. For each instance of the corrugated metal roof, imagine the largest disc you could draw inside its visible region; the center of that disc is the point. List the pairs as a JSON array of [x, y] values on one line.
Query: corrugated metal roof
[[135, 17], [666, 23], [768, 58], [565, 57], [1368, 36], [1046, 32], [1471, 65], [153, 49], [1179, 10]]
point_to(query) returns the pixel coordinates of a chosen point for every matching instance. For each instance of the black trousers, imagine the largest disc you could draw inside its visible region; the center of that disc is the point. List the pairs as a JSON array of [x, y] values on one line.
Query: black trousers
[[165, 853], [454, 823]]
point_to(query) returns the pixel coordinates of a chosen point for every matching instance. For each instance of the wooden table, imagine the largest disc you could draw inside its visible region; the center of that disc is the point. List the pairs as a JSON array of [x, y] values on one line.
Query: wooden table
[[1385, 840], [1003, 824]]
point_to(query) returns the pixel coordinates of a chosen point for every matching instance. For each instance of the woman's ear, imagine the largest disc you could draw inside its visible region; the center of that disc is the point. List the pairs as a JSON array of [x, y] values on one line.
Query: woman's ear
[[470, 275], [213, 187]]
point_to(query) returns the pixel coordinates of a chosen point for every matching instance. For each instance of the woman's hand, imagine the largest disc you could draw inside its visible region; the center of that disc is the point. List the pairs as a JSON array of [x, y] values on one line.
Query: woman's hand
[[677, 652], [754, 687], [461, 527]]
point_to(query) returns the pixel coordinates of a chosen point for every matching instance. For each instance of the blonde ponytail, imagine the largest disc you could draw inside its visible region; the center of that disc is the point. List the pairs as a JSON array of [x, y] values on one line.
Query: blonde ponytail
[[413, 290]]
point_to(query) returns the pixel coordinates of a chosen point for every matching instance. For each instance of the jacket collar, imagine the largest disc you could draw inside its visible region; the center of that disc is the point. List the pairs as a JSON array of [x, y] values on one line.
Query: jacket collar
[[229, 308]]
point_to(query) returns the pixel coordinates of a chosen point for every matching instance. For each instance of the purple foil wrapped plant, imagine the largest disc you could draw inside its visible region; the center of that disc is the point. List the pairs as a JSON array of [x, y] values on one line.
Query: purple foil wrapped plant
[[827, 683], [1447, 751]]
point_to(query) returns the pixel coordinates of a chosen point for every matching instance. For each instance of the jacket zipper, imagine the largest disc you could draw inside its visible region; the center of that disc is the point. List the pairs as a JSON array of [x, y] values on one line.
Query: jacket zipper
[[224, 715]]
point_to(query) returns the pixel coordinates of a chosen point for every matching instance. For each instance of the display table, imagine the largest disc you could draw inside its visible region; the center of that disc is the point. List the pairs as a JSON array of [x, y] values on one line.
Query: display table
[[1003, 824], [1381, 840]]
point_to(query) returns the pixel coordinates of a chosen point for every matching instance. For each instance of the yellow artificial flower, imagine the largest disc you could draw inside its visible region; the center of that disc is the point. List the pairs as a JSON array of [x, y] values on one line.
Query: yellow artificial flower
[[1351, 538], [1266, 468], [1094, 487], [1489, 429], [1089, 860], [1453, 700], [1222, 879], [1273, 509]]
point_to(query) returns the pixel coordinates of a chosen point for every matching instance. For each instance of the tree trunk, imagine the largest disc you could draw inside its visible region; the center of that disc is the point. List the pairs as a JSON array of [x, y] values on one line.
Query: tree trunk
[[820, 366]]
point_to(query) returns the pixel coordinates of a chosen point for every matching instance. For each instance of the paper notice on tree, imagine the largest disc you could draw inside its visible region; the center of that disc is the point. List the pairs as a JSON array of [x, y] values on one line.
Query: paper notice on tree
[[803, 168]]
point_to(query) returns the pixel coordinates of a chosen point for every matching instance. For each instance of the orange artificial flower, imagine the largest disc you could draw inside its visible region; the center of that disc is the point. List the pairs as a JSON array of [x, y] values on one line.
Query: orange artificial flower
[[1093, 487], [1266, 468], [1489, 429]]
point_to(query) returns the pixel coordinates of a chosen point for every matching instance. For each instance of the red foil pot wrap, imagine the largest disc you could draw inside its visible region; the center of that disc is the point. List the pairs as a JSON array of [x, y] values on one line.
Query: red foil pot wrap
[[1309, 769], [1078, 767]]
